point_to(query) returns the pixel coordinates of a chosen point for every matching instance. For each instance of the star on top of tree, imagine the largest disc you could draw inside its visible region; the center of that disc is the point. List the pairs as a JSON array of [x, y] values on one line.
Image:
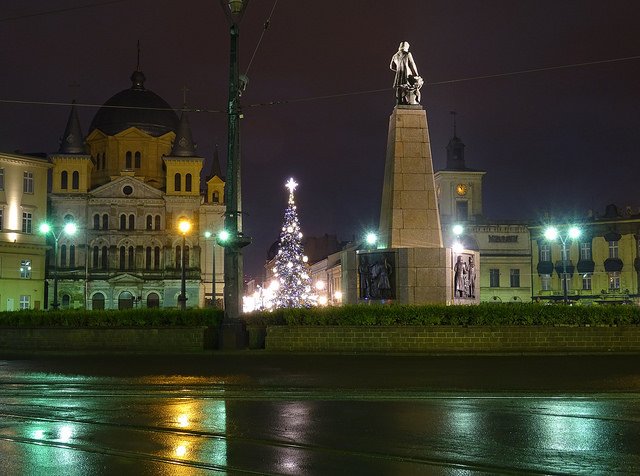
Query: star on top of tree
[[291, 185]]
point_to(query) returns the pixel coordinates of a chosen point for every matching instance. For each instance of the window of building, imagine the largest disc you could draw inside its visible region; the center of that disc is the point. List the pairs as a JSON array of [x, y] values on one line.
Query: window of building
[[494, 278], [1, 179], [125, 300], [27, 182], [565, 253], [157, 222], [565, 278], [97, 301], [187, 182], [149, 222], [25, 301], [75, 180], [132, 259], [123, 254], [63, 256], [545, 282], [27, 219], [156, 257], [586, 281], [105, 257], [123, 221], [585, 251], [186, 257], [147, 258], [514, 278], [138, 157], [1, 218], [127, 160], [66, 300], [545, 252], [153, 300], [96, 222], [614, 280], [613, 249], [72, 256], [95, 258], [132, 222], [64, 180], [215, 197], [462, 210], [178, 257], [177, 179], [105, 222], [25, 269]]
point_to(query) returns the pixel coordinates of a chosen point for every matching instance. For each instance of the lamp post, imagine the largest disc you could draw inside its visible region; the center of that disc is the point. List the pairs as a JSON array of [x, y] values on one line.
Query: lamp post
[[572, 233], [70, 229], [234, 10], [184, 226]]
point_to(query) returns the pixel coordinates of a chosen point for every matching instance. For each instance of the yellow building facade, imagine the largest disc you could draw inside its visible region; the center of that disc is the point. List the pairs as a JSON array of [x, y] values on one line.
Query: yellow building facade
[[23, 204]]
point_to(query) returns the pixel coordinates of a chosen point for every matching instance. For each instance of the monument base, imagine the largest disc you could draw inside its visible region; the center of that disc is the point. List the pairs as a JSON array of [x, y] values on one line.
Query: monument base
[[233, 335]]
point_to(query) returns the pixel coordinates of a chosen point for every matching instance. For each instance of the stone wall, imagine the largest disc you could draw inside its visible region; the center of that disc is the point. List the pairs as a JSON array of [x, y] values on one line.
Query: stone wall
[[452, 339], [176, 339]]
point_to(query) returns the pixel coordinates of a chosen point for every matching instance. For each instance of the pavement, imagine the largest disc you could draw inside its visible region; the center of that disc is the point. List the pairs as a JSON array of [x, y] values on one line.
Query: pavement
[[297, 414]]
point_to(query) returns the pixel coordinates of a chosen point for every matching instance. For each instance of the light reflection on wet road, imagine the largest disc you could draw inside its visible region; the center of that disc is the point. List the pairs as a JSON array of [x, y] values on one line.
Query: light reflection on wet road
[[355, 415]]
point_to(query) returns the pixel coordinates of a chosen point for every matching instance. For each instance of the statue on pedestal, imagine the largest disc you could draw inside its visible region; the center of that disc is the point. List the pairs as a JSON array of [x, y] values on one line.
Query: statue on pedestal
[[407, 81]]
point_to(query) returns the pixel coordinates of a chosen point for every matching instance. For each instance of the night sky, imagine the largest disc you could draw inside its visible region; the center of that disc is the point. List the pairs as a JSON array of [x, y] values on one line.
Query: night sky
[[565, 140]]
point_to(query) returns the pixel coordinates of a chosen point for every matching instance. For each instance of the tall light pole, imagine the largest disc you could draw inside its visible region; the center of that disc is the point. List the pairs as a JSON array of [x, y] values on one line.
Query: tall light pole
[[184, 226], [234, 10], [572, 233], [70, 229]]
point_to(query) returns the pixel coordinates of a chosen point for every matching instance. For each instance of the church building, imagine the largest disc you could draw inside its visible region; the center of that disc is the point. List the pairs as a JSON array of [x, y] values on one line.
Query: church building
[[126, 185]]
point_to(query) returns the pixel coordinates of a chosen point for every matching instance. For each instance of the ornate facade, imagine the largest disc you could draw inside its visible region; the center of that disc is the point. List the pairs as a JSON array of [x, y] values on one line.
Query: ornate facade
[[126, 186]]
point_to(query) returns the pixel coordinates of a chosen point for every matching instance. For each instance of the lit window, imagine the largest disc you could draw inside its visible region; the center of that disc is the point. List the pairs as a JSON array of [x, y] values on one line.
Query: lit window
[[586, 281], [545, 252], [585, 251], [514, 276], [614, 280], [27, 219], [27, 182], [613, 249], [494, 278], [25, 269], [25, 301]]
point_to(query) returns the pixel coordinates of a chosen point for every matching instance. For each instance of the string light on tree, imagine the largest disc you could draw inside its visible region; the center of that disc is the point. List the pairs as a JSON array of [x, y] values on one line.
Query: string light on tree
[[290, 269]]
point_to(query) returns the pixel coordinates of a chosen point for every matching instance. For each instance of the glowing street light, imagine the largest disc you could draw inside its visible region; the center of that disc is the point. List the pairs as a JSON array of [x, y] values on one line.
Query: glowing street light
[[457, 230], [70, 229], [184, 226], [371, 239], [572, 233]]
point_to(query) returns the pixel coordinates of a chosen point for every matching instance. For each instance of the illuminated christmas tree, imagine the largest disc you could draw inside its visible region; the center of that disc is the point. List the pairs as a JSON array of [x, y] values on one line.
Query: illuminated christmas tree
[[294, 288]]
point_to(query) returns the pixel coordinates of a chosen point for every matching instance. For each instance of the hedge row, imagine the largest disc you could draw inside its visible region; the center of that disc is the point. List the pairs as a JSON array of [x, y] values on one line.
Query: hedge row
[[481, 315], [124, 318]]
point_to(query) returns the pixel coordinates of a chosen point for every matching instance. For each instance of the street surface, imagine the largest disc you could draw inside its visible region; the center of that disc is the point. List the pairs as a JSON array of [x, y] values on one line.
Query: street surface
[[258, 413]]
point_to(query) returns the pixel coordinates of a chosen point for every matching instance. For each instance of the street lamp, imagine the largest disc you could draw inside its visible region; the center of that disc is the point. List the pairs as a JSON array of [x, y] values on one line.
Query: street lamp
[[458, 230], [234, 10], [184, 226], [70, 229], [572, 233], [371, 238]]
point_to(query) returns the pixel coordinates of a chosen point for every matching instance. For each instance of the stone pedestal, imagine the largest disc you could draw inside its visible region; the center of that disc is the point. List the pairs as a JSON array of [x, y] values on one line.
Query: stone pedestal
[[409, 212]]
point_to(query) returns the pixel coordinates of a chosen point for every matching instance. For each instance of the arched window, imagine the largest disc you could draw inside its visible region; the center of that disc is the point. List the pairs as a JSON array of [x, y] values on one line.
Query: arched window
[[63, 256], [137, 159], [66, 300], [153, 300], [132, 259], [132, 222], [177, 182], [186, 257], [178, 257], [127, 162], [95, 258], [156, 257], [105, 222], [96, 222], [97, 302], [215, 197], [123, 253], [72, 256], [157, 224], [123, 221], [149, 222], [75, 180], [64, 180], [187, 182], [125, 300], [68, 218], [105, 257], [147, 258]]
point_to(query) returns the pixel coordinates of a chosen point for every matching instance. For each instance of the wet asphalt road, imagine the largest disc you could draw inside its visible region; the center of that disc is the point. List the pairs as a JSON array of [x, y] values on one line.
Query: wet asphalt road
[[258, 413]]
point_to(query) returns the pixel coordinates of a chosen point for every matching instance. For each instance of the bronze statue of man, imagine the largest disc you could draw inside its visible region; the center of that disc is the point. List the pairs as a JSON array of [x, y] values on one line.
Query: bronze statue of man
[[407, 78]]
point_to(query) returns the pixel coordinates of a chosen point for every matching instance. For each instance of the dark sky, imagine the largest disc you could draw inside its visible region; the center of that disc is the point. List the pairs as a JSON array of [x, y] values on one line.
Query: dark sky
[[563, 139]]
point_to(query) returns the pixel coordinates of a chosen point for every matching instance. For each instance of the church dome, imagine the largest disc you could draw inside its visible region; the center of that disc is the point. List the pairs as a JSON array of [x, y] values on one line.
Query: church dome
[[136, 107]]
